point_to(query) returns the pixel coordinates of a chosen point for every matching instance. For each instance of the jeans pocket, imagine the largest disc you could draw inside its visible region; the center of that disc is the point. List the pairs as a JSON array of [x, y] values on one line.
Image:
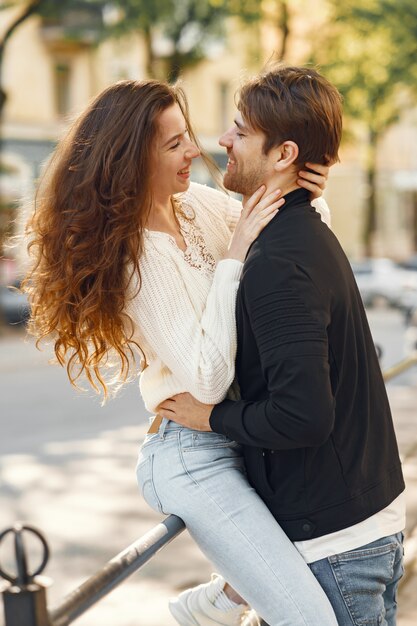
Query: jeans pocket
[[363, 576], [195, 441], [144, 477], [205, 457]]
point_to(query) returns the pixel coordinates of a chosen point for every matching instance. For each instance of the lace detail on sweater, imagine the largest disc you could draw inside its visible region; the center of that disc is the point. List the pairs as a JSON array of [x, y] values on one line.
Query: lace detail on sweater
[[196, 254]]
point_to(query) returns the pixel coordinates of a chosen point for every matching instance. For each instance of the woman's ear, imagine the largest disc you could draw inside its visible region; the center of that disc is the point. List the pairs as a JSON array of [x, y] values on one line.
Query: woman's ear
[[287, 153]]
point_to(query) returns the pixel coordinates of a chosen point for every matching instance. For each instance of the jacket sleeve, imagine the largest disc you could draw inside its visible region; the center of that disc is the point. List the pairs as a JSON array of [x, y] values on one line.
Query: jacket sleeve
[[288, 319]]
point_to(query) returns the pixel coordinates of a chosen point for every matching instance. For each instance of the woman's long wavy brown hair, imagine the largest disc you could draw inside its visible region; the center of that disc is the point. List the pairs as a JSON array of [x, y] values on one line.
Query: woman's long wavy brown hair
[[86, 232]]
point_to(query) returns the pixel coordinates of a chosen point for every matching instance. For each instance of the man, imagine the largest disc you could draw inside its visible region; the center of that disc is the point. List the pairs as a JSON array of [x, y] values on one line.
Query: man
[[313, 417]]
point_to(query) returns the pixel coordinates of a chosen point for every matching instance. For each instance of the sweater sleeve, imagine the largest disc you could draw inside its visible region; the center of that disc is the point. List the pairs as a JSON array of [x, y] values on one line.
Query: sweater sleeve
[[290, 333], [198, 349]]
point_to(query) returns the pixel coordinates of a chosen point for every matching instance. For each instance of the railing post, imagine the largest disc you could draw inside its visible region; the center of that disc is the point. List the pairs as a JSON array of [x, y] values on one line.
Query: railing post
[[24, 595], [25, 605]]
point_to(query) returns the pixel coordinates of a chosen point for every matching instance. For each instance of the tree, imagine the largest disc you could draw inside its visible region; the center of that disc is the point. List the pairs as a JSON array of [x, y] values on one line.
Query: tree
[[186, 28], [368, 49], [276, 13], [191, 27], [140, 16], [280, 16]]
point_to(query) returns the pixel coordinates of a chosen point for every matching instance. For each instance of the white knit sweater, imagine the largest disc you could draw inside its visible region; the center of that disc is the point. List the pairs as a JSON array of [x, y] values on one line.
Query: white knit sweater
[[184, 313]]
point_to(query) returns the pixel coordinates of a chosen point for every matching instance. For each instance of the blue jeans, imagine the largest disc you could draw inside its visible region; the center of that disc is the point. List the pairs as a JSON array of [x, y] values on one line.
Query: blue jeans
[[201, 478], [362, 584]]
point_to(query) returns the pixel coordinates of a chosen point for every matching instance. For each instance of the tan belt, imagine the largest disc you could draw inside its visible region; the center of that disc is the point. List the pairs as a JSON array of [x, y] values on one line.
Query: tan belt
[[155, 424]]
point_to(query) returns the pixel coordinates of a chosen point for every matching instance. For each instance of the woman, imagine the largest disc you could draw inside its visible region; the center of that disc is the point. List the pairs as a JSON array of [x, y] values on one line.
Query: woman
[[122, 262]]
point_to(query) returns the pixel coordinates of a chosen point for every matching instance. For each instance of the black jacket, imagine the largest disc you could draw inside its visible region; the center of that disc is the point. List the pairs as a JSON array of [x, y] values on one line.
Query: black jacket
[[314, 417]]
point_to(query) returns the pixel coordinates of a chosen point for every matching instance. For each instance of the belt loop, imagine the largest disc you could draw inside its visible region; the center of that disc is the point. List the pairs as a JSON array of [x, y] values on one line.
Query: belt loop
[[162, 428]]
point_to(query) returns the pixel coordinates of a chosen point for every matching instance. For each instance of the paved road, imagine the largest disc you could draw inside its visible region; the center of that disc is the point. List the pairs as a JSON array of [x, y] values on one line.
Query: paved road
[[67, 466], [37, 402]]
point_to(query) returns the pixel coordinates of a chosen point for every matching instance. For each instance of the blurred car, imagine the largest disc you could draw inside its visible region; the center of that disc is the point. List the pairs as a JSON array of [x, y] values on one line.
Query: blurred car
[[409, 296], [408, 304], [383, 282], [14, 306], [410, 263]]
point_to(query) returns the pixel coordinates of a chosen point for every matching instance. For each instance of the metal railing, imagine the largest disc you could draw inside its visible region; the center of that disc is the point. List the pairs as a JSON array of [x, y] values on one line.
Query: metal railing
[[24, 594], [399, 368]]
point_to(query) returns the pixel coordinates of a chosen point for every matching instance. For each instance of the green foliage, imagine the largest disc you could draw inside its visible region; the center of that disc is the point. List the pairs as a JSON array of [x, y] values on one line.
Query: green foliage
[[186, 27], [247, 10], [6, 5], [368, 49], [138, 15], [191, 27]]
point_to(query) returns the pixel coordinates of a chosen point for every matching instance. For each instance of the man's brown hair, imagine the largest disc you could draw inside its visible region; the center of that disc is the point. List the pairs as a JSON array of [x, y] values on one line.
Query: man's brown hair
[[295, 104]]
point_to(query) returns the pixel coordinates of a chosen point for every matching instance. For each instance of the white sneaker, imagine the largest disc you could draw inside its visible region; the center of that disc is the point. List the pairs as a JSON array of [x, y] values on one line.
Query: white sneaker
[[195, 606], [251, 619]]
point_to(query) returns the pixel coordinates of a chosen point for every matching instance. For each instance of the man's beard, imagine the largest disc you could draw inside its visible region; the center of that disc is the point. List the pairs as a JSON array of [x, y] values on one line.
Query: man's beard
[[245, 183]]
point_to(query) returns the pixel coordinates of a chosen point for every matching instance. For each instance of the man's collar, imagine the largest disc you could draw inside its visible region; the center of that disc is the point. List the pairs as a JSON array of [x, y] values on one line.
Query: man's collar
[[298, 196]]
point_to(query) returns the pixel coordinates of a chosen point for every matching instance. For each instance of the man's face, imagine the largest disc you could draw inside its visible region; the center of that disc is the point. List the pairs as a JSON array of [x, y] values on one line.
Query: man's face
[[248, 167]]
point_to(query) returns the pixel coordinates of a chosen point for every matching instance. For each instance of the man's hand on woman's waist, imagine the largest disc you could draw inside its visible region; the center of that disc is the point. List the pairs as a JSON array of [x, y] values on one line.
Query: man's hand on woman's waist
[[184, 409]]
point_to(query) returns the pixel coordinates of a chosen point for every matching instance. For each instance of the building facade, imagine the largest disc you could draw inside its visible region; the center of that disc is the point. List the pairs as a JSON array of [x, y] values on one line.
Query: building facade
[[49, 79]]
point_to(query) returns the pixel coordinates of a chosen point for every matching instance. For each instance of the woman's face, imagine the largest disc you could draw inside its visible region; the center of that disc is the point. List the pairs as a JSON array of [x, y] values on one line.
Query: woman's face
[[174, 152]]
